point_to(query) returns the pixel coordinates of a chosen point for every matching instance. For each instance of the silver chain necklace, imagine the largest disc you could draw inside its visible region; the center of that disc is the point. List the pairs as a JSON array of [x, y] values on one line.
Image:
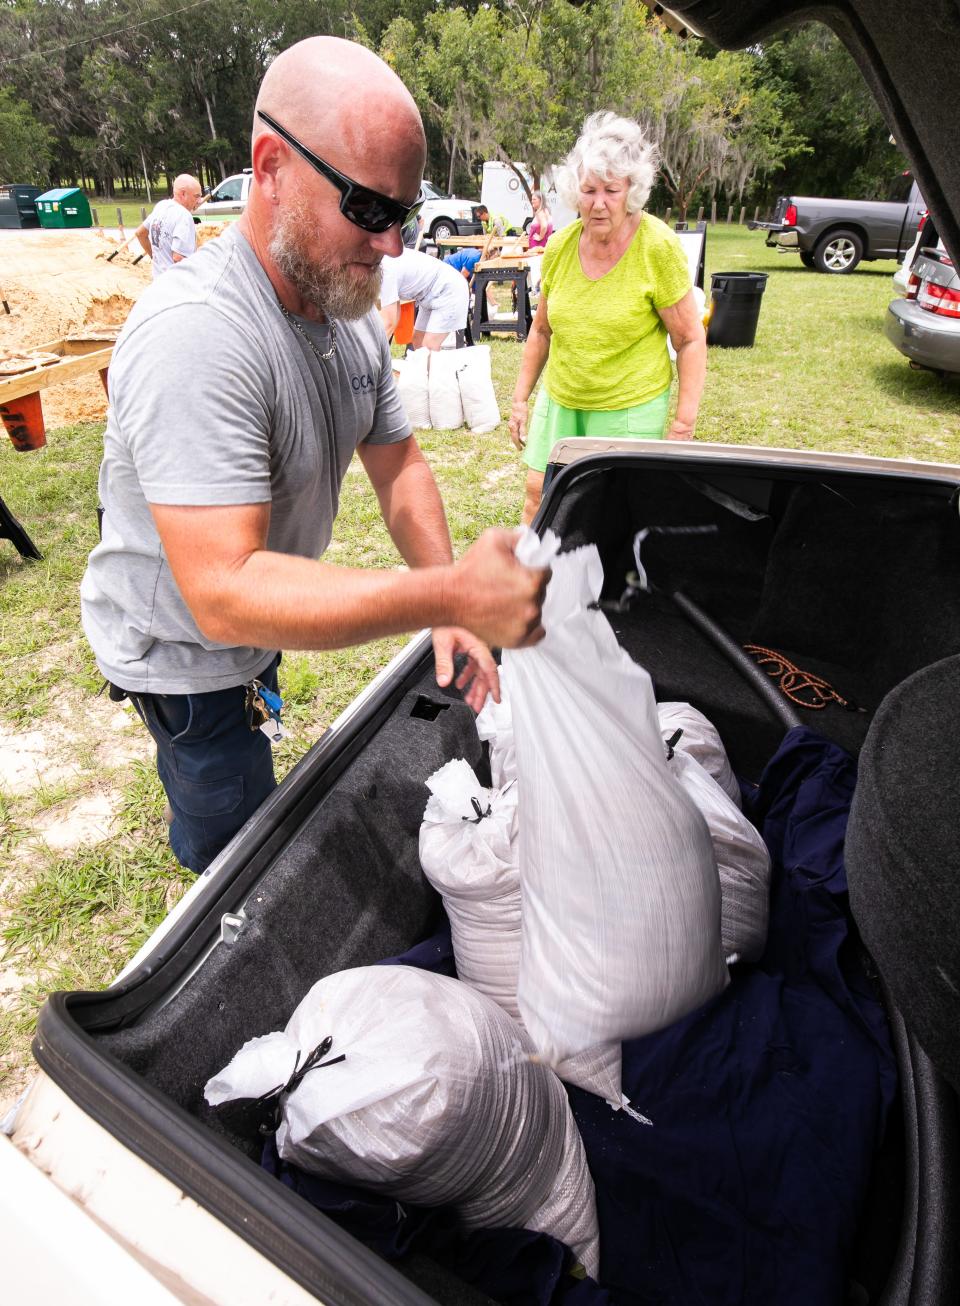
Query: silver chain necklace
[[300, 331]]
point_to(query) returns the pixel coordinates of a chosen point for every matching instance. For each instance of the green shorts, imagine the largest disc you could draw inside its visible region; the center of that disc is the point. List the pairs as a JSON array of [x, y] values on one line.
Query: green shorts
[[551, 422]]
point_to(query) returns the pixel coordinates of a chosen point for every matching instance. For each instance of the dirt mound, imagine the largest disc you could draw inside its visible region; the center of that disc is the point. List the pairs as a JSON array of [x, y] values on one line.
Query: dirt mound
[[56, 283]]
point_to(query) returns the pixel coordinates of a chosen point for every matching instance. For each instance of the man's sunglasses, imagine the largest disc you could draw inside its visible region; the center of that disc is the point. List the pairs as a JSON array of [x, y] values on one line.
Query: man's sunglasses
[[363, 207]]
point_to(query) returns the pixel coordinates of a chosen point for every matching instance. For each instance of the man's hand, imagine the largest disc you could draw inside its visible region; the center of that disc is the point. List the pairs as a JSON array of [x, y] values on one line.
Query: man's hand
[[479, 677], [496, 597]]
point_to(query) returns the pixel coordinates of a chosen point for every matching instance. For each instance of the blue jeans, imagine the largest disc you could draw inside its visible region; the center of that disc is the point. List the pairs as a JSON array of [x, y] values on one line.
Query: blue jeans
[[215, 769]]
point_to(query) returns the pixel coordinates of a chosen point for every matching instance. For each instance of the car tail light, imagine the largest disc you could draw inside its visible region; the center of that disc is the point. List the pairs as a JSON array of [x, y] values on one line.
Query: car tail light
[[790, 216], [923, 218], [939, 299], [913, 285]]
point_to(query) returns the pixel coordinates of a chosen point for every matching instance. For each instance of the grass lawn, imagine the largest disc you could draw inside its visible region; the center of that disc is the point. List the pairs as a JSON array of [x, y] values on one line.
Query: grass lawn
[[75, 904]]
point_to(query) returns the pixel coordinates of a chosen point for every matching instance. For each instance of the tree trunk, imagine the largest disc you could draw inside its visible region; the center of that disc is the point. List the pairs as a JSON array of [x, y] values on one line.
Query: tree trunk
[[453, 164], [146, 179], [213, 133]]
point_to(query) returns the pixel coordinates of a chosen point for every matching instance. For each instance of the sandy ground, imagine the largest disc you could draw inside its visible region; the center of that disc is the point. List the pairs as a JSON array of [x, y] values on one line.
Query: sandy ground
[[58, 282], [83, 747]]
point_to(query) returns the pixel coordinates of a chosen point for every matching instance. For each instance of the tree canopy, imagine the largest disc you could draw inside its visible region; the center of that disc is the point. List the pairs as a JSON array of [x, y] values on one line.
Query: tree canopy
[[117, 91]]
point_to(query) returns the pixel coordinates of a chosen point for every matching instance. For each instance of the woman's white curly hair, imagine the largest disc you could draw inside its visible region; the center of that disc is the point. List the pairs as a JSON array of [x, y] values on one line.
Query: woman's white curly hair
[[610, 146]]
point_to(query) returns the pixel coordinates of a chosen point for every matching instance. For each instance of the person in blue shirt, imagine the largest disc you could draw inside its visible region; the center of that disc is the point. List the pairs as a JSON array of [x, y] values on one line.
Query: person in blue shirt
[[464, 260]]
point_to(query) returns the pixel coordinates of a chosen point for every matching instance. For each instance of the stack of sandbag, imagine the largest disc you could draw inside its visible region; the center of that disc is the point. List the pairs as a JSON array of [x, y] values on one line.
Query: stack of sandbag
[[469, 850], [425, 1091], [620, 890], [446, 388], [698, 762]]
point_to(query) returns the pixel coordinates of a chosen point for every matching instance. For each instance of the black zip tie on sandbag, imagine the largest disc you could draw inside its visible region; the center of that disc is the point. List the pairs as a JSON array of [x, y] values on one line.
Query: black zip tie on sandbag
[[671, 743], [249, 1116], [480, 813]]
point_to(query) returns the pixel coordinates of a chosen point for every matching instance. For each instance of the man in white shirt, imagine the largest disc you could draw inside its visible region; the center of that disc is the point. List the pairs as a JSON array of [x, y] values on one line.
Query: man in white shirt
[[169, 234], [439, 292]]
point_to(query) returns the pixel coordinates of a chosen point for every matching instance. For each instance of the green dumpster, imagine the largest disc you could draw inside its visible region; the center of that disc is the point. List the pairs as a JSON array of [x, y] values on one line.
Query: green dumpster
[[66, 207]]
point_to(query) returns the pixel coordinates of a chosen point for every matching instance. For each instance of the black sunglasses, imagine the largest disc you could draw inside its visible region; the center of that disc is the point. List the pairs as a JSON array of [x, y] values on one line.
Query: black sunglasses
[[363, 207]]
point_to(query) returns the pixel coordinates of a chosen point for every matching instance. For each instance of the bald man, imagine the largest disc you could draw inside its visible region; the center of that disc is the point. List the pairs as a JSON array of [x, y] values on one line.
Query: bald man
[[240, 390], [169, 235]]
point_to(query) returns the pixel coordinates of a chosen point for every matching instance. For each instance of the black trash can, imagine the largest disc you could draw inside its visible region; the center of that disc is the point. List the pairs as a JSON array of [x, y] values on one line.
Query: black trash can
[[736, 308]]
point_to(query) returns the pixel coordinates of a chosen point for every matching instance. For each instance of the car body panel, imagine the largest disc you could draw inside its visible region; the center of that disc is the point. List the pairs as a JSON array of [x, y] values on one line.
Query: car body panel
[[111, 1250]]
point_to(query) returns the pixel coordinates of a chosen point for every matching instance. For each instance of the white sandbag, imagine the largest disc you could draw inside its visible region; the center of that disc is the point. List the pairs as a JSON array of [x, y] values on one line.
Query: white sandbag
[[413, 387], [495, 726], [469, 852], [742, 860], [701, 740], [437, 1102], [480, 410], [621, 897], [446, 410]]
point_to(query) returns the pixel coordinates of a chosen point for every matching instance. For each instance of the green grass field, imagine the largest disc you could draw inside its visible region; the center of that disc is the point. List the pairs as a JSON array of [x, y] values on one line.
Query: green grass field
[[821, 377]]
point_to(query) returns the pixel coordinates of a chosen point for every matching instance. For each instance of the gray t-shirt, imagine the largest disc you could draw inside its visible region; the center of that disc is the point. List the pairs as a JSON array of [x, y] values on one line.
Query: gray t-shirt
[[171, 230], [216, 399]]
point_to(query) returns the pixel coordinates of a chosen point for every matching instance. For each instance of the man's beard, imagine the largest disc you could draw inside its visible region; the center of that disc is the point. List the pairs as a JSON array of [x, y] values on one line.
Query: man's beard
[[332, 289]]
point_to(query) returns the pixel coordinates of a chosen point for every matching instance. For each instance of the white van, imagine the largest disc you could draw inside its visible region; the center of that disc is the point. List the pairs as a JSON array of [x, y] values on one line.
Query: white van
[[503, 194]]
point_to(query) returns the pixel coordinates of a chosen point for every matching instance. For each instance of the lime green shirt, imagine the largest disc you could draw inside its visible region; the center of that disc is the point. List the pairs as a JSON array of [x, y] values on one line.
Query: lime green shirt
[[608, 345]]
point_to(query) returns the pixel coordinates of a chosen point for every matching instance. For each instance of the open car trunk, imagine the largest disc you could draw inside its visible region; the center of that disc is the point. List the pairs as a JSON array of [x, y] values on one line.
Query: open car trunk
[[851, 570]]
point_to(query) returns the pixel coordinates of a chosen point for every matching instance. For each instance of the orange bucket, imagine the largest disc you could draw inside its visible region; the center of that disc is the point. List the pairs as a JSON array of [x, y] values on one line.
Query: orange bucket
[[23, 419], [404, 332]]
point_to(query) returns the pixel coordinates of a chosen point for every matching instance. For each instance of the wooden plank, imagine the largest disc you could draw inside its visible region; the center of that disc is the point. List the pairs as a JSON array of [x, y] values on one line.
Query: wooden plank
[[14, 387], [74, 345]]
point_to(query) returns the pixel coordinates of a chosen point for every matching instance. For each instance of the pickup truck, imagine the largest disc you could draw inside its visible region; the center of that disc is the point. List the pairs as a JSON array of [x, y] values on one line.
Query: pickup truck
[[836, 235]]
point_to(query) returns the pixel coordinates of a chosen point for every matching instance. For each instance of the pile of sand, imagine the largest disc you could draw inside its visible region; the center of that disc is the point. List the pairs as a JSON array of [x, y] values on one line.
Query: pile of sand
[[58, 282]]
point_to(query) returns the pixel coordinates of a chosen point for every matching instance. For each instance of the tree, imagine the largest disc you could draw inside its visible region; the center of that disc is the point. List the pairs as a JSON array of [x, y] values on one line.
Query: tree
[[25, 143]]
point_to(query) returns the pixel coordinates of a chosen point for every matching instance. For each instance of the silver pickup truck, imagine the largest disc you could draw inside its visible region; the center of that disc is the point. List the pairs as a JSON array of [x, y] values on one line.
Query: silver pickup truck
[[836, 235]]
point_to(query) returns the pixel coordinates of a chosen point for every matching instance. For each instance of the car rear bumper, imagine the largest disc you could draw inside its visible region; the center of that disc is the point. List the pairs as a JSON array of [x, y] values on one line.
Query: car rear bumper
[[778, 237], [922, 336]]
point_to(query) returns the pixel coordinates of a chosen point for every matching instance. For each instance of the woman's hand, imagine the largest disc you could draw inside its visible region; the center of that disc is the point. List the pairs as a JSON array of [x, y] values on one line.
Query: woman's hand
[[518, 423], [680, 430]]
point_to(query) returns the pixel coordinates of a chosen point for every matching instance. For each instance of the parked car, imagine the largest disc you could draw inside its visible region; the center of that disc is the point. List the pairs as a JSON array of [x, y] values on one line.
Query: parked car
[[901, 278], [115, 1184], [228, 199], [836, 235], [446, 215], [925, 324]]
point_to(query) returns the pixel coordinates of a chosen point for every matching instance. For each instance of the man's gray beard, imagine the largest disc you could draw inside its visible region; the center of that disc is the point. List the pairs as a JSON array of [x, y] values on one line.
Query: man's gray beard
[[329, 287]]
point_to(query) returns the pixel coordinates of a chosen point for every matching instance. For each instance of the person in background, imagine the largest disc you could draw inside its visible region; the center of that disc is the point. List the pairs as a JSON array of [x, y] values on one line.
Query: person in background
[[240, 391], [439, 292], [464, 260], [539, 231], [169, 235], [493, 224], [615, 286]]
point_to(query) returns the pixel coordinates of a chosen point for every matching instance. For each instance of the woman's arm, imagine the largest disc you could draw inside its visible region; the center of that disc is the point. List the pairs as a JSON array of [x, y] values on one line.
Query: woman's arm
[[689, 339], [532, 362]]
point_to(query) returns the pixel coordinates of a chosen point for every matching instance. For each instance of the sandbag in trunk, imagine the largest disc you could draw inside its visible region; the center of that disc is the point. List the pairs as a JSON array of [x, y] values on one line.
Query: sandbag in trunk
[[425, 1091], [621, 896], [743, 861], [469, 850]]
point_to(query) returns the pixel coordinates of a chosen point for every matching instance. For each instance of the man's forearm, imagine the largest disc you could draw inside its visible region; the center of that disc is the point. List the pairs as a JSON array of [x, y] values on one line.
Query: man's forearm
[[277, 601], [144, 239], [413, 511]]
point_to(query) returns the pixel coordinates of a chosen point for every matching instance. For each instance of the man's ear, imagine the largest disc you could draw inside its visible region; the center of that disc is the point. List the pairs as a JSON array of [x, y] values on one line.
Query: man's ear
[[268, 155]]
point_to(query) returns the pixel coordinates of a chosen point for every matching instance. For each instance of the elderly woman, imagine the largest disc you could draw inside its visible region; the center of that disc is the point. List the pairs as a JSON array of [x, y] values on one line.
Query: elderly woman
[[615, 286]]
